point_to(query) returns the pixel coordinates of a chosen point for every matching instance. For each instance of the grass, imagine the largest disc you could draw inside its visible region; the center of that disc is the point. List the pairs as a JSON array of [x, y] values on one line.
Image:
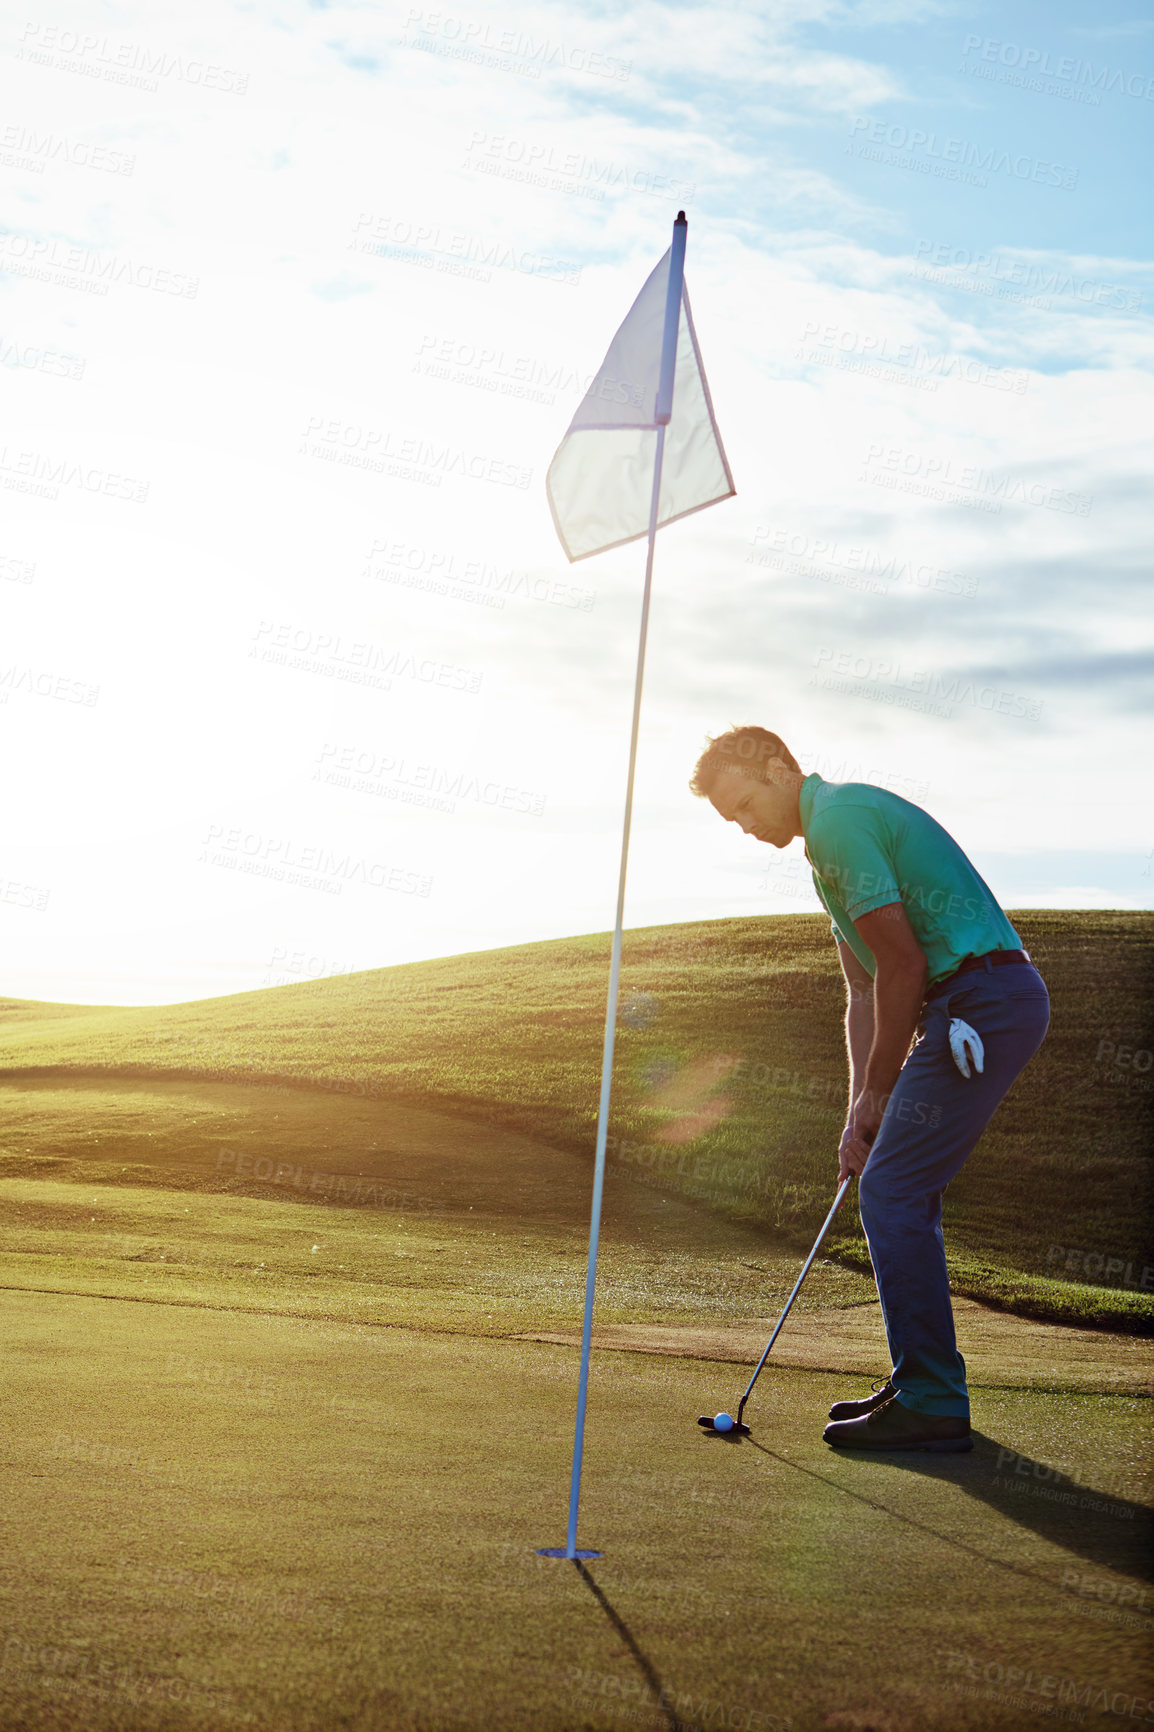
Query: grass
[[227, 1519], [281, 1445], [729, 1086], [388, 1214]]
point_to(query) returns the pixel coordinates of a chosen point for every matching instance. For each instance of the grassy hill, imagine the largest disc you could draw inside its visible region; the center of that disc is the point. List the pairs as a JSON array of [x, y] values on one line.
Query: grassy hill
[[729, 1087]]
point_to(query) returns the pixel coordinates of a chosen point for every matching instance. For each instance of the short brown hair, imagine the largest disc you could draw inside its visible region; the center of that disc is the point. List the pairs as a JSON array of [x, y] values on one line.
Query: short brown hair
[[747, 749]]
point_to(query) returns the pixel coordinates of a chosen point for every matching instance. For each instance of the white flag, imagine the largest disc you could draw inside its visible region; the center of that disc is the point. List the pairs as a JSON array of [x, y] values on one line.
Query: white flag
[[600, 481]]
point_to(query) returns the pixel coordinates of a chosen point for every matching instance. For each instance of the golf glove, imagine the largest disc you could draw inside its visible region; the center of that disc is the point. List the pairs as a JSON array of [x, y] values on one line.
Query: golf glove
[[966, 1045]]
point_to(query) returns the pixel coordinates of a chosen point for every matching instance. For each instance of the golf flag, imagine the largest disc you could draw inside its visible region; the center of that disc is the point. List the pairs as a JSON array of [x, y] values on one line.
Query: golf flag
[[601, 477], [642, 450]]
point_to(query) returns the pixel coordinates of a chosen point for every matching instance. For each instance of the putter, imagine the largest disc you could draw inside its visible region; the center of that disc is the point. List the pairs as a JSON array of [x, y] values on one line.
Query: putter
[[736, 1427]]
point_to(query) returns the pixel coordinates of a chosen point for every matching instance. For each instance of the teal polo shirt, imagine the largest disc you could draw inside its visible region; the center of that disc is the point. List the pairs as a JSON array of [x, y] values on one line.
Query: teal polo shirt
[[869, 848]]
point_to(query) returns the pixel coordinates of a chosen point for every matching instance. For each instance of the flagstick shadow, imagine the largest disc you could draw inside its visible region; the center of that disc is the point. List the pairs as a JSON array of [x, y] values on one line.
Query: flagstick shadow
[[626, 1634]]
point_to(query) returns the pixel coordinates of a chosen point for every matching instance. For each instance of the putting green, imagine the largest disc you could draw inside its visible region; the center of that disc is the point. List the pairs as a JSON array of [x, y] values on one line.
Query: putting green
[[280, 1450], [228, 1519]]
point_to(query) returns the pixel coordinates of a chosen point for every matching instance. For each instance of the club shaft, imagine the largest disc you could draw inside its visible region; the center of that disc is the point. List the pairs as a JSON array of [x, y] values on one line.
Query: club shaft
[[837, 1202]]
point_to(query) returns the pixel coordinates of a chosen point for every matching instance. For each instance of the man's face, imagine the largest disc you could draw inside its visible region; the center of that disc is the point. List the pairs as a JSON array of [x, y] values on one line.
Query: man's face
[[767, 810]]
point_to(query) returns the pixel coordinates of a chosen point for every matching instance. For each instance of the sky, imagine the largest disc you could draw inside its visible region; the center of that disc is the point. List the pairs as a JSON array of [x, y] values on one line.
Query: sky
[[298, 302]]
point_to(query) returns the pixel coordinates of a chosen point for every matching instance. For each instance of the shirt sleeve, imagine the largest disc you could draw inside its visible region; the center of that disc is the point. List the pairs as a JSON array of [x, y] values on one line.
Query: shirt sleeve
[[851, 849]]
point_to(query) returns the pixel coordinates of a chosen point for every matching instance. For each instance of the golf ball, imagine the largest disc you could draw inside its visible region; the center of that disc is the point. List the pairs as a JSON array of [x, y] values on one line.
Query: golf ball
[[723, 1422]]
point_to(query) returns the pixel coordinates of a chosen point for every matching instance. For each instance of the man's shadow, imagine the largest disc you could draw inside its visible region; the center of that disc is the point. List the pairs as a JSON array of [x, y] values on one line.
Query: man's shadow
[[1112, 1533]]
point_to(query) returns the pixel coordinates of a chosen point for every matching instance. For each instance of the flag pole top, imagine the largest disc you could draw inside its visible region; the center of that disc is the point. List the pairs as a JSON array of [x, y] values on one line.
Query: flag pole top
[[663, 408]]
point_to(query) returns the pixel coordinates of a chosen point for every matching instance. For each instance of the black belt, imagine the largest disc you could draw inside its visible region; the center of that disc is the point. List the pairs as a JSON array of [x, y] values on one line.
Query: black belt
[[995, 958]]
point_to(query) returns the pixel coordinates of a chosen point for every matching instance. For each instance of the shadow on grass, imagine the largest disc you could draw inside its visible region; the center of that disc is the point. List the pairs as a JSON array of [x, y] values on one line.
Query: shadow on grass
[[1110, 1532], [639, 1654]]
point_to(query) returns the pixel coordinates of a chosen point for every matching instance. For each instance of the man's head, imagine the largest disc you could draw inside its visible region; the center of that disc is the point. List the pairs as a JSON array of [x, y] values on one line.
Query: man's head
[[752, 778]]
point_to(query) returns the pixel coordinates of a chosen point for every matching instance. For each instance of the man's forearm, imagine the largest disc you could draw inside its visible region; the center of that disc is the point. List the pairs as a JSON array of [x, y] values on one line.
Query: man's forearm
[[859, 1037], [898, 994]]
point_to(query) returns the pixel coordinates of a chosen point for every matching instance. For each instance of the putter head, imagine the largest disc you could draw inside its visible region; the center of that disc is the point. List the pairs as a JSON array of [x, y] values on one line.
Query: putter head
[[706, 1422]]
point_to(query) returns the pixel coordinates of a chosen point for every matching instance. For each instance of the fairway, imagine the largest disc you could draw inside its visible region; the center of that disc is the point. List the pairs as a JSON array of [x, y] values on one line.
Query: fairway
[[729, 1094]]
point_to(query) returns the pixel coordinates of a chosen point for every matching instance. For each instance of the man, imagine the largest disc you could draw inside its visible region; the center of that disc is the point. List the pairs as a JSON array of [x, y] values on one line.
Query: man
[[928, 957]]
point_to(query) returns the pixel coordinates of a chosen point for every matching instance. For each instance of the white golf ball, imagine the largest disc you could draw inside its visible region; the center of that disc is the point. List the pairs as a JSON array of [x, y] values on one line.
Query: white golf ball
[[723, 1422]]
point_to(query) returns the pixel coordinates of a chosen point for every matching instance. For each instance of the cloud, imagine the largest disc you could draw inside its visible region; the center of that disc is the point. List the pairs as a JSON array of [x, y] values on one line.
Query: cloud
[[336, 323]]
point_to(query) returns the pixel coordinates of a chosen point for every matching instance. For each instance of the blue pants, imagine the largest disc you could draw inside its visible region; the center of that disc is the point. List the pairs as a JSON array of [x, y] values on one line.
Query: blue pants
[[933, 1119]]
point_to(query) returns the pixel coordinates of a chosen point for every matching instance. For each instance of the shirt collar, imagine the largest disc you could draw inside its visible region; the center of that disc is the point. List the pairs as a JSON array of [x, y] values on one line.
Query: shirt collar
[[807, 794]]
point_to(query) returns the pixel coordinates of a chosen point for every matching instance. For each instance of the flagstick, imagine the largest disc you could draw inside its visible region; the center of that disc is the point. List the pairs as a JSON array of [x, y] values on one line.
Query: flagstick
[[663, 411]]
